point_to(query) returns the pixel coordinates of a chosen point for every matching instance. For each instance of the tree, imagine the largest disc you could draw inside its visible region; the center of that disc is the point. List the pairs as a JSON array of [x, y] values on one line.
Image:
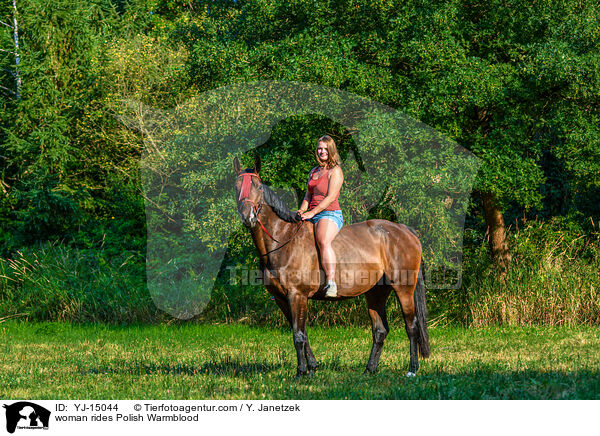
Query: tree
[[13, 52], [511, 82], [67, 160]]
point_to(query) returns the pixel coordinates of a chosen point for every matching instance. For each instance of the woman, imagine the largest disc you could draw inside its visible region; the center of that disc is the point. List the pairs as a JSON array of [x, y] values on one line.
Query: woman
[[321, 207]]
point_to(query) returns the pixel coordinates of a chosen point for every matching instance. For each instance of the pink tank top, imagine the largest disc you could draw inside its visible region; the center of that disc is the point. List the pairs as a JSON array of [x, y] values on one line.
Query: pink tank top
[[318, 190]]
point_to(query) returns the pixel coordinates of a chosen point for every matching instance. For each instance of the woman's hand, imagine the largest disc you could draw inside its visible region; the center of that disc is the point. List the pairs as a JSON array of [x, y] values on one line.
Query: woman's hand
[[307, 215]]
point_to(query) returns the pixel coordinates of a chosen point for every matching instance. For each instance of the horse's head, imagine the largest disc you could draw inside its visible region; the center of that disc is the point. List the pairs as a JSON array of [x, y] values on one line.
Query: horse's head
[[249, 192]]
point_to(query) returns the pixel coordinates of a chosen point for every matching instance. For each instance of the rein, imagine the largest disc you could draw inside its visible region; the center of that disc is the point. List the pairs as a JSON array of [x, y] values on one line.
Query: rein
[[286, 242], [244, 193]]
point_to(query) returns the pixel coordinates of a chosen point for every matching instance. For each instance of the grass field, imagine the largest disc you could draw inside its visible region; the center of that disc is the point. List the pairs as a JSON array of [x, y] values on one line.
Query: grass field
[[64, 361]]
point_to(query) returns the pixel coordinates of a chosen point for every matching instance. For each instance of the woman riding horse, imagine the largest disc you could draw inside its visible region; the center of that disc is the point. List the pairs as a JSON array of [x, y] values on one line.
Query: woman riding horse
[[373, 258], [320, 206]]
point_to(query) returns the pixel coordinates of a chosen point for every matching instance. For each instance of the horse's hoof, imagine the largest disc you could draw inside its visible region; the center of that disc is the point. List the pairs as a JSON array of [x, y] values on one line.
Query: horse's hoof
[[411, 374], [300, 374]]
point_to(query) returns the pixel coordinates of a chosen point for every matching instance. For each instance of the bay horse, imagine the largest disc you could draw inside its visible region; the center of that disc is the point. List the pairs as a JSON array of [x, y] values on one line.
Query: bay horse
[[374, 258]]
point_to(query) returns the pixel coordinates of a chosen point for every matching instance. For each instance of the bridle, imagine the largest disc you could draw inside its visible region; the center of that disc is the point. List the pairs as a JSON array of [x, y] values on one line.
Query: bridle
[[244, 196], [256, 208]]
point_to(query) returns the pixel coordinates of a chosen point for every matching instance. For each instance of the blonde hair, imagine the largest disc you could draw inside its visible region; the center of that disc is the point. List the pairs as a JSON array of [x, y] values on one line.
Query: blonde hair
[[333, 158]]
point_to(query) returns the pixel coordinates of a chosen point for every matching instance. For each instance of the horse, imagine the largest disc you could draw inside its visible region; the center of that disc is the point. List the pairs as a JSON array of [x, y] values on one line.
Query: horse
[[374, 258]]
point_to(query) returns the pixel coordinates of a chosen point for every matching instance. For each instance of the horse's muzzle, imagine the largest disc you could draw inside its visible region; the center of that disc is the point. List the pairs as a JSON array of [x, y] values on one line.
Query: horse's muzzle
[[248, 215]]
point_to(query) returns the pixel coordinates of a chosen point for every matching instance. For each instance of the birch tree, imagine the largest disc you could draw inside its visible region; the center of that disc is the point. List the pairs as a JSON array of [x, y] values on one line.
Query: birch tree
[[13, 52]]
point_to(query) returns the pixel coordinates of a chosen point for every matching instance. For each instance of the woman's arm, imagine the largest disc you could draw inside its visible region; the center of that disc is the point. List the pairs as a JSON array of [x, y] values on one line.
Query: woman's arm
[[335, 184], [305, 203]]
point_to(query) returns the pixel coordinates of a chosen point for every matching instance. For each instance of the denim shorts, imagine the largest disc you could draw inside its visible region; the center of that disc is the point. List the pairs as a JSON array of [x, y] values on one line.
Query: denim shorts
[[334, 215]]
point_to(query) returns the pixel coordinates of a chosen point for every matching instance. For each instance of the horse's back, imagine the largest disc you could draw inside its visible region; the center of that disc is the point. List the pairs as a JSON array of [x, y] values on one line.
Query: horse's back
[[378, 228], [377, 241]]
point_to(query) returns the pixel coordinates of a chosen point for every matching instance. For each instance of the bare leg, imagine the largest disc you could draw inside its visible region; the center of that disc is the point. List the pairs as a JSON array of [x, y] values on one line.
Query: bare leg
[[326, 230]]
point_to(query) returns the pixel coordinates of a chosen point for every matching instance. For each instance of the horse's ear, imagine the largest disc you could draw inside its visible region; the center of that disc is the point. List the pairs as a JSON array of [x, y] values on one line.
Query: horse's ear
[[236, 166], [257, 165]]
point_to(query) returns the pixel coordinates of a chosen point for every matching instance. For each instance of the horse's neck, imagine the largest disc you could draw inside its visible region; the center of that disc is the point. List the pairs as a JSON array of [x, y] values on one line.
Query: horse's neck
[[278, 228]]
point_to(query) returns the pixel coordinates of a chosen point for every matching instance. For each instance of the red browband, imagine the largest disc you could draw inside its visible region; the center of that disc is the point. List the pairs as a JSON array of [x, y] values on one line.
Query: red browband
[[246, 182], [245, 193]]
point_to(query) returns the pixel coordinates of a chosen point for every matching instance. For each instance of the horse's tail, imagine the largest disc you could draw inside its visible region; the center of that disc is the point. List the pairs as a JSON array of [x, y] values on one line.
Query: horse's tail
[[421, 310], [421, 315]]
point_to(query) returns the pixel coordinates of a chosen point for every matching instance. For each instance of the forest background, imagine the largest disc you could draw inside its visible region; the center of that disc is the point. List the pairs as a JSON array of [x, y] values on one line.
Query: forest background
[[516, 84]]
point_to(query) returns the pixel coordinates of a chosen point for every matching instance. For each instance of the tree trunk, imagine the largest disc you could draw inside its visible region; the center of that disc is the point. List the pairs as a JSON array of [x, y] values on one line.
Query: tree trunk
[[497, 231], [17, 57]]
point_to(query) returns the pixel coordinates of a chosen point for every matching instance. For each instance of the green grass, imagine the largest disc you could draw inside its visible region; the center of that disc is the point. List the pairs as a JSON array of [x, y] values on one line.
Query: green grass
[[64, 361]]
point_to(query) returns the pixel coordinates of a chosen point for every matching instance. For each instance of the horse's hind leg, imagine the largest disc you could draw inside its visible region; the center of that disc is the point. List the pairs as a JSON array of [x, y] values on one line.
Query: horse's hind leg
[[376, 299], [405, 294], [284, 305]]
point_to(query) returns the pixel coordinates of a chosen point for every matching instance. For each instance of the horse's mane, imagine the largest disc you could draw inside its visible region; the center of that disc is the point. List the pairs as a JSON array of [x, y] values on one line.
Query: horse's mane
[[278, 206]]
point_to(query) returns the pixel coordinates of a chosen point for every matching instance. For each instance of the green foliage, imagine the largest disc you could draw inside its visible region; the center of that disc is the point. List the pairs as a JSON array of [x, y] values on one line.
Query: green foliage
[[553, 279], [507, 81], [71, 165], [46, 144], [57, 212], [515, 84], [60, 284]]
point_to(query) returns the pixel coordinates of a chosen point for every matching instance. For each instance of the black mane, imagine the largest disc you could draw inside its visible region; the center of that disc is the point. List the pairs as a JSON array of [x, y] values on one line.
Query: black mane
[[278, 206]]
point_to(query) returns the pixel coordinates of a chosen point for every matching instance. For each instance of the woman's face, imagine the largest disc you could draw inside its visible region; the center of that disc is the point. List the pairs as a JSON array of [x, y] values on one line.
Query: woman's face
[[322, 151]]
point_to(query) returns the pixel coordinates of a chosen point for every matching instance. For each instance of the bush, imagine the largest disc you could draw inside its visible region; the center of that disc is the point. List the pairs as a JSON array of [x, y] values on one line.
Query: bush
[[553, 278], [57, 283]]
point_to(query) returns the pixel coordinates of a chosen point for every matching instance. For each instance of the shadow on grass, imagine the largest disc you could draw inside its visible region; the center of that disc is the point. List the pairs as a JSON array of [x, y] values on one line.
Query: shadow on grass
[[226, 367], [467, 385]]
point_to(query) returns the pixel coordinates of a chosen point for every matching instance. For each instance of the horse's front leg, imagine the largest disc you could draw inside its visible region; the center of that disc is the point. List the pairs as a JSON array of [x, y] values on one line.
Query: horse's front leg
[[310, 358], [284, 305], [298, 304]]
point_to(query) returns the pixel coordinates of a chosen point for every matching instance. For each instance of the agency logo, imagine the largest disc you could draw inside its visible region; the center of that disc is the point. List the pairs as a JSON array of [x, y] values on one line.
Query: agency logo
[[26, 415]]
